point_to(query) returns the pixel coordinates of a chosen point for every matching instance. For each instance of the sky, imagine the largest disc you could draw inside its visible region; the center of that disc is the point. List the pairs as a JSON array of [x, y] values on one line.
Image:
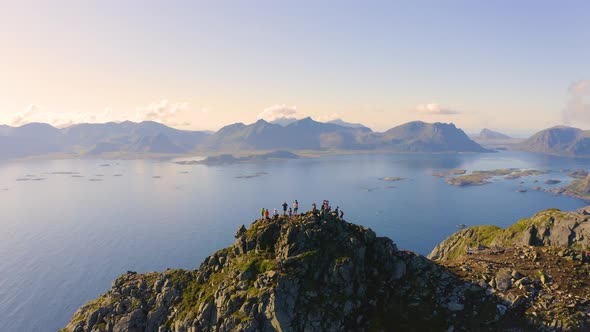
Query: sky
[[514, 66]]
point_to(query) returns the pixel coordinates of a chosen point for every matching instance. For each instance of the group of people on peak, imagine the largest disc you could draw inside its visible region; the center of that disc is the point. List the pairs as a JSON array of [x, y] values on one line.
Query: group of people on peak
[[293, 211]]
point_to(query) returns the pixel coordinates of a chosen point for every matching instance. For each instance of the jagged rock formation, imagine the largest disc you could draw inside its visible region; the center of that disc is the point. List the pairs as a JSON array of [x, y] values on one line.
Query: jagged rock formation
[[304, 273]]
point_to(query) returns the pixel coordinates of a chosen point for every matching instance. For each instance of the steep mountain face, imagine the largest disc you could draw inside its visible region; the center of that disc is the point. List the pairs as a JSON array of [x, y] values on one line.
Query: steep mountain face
[[559, 140], [420, 136], [492, 135], [302, 273]]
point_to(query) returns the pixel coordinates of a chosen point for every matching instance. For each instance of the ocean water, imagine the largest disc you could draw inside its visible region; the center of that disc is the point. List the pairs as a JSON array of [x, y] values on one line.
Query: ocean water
[[70, 227]]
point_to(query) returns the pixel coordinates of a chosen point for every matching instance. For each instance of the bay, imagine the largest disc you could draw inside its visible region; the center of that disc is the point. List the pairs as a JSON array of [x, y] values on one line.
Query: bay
[[70, 227]]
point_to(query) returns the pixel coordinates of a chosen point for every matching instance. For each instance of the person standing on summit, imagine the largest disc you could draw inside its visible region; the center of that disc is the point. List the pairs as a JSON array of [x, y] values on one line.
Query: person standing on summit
[[285, 205], [262, 213], [295, 207]]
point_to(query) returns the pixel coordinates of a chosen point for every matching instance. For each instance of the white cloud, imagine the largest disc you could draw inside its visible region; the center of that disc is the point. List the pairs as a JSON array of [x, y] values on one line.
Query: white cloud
[[433, 109], [329, 117], [161, 111], [276, 112], [23, 117], [577, 111]]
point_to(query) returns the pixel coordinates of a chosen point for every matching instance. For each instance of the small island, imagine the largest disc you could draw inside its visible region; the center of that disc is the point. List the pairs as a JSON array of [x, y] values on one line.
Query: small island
[[552, 181], [230, 159], [392, 178], [525, 173], [451, 172], [477, 178]]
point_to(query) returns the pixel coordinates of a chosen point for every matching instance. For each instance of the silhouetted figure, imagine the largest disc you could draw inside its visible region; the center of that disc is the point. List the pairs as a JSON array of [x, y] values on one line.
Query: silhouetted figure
[[314, 208], [285, 205], [341, 214], [295, 207], [290, 212]]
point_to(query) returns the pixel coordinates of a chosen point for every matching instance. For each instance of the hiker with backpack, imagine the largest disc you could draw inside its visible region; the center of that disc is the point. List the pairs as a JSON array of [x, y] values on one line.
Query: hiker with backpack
[[285, 205]]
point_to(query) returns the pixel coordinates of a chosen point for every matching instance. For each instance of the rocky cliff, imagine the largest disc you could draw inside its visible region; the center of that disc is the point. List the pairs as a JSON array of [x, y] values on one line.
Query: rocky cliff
[[551, 227], [538, 266], [303, 273]]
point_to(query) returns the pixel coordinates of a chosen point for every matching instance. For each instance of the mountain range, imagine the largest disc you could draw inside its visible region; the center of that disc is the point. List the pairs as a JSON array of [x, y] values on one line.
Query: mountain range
[[155, 138]]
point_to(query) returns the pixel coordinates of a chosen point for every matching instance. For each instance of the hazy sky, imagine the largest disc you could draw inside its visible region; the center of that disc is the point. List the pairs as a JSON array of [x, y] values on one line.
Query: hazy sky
[[508, 65]]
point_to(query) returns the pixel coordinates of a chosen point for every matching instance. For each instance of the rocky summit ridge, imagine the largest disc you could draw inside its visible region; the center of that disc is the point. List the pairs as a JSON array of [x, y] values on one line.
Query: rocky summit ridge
[[538, 266], [303, 273]]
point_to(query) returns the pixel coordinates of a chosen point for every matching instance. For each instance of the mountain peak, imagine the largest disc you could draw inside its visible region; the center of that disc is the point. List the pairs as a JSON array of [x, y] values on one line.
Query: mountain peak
[[311, 272], [490, 134]]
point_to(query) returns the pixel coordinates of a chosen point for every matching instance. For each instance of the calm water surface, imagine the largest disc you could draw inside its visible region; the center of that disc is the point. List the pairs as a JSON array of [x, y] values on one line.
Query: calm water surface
[[70, 227]]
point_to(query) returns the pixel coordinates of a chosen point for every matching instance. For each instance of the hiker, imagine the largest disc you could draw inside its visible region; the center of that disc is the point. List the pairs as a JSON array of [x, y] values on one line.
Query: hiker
[[285, 205], [262, 213], [266, 214], [337, 210], [314, 208], [275, 213], [295, 207], [290, 212], [341, 214]]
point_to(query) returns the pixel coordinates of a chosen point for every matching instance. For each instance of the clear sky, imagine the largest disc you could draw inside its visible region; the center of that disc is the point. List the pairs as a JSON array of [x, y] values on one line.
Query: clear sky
[[515, 66]]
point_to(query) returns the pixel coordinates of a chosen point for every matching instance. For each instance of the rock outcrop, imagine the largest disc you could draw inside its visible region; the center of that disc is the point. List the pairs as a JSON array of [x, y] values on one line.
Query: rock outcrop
[[301, 273], [538, 266], [551, 227]]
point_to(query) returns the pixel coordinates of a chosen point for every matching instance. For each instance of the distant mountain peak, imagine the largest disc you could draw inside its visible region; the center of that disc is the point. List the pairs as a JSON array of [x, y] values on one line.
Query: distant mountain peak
[[343, 123], [283, 121], [559, 140], [490, 134]]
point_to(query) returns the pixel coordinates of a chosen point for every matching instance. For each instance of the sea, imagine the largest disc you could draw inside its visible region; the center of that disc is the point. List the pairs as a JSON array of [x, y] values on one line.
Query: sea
[[69, 227]]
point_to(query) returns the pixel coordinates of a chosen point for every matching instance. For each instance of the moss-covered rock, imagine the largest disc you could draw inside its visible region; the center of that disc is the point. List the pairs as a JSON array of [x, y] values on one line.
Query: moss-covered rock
[[551, 227]]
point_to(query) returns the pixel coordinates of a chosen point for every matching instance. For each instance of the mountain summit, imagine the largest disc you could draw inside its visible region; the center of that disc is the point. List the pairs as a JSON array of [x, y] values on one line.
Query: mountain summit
[[303, 273]]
